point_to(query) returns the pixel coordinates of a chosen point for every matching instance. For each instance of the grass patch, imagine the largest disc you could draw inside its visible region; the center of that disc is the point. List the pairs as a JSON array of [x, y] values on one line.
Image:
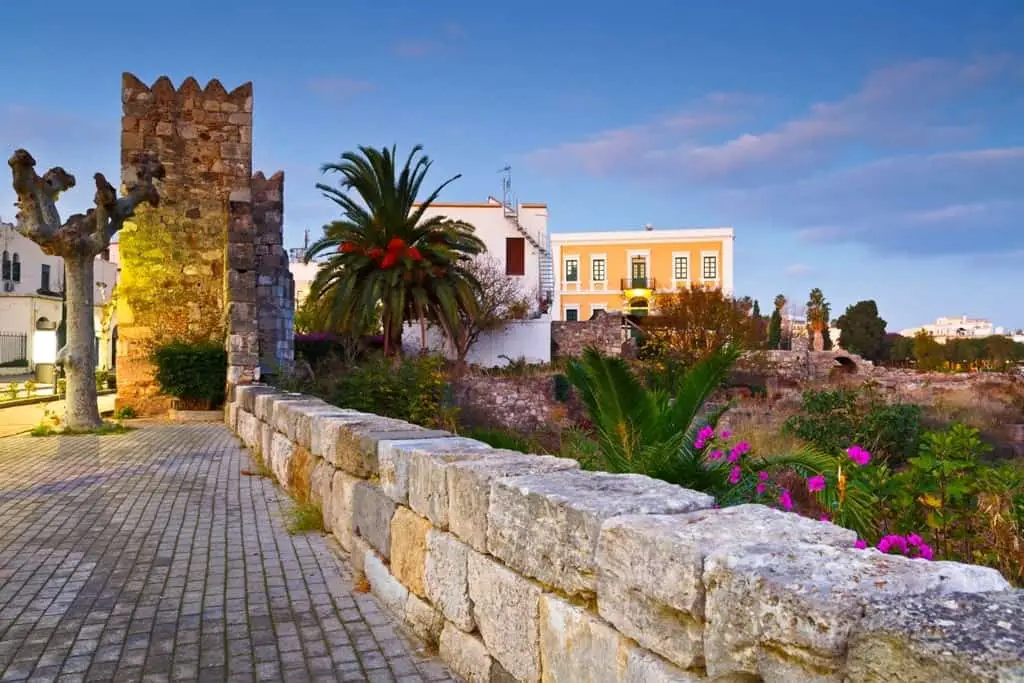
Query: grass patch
[[259, 468], [305, 517], [501, 438], [106, 429]]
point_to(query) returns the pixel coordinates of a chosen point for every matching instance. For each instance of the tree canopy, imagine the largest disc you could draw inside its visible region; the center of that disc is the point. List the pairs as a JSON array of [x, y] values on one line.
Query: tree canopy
[[862, 330]]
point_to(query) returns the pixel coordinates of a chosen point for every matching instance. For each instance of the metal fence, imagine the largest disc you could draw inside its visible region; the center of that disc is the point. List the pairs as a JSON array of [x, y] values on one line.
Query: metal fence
[[13, 348]]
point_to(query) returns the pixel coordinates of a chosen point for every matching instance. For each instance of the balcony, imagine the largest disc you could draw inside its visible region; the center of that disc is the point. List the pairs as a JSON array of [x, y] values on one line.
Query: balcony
[[637, 283]]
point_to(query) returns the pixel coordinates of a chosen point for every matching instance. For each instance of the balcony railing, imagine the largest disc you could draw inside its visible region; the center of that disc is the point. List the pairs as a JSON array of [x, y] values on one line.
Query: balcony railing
[[638, 283]]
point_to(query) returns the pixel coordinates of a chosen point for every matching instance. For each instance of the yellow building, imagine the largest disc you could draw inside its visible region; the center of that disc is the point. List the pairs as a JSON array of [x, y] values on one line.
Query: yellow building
[[625, 270]]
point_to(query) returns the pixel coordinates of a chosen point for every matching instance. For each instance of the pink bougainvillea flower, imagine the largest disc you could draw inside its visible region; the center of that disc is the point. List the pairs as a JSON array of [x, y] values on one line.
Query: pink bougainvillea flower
[[914, 539], [734, 475], [761, 488], [824, 518], [924, 551], [816, 483], [742, 448], [762, 475], [861, 544], [858, 455], [785, 500], [715, 455], [706, 432], [726, 434], [733, 456]]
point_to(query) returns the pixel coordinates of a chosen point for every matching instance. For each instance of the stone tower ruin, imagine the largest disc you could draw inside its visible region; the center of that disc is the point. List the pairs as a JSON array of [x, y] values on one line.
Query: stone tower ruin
[[209, 263]]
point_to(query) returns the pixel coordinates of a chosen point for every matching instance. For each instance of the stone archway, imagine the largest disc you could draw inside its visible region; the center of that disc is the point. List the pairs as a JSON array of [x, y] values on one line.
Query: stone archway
[[846, 365], [638, 306]]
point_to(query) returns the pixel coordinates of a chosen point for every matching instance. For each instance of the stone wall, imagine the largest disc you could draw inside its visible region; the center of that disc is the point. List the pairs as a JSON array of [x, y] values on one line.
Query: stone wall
[[523, 404], [189, 267], [523, 567], [603, 332]]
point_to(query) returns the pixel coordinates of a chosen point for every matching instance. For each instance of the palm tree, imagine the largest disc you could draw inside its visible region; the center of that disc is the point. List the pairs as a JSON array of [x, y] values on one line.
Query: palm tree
[[384, 254], [818, 314], [780, 302]]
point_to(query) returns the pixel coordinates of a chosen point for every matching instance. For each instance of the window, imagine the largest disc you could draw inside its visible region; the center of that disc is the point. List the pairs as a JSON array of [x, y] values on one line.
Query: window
[[6, 274], [710, 268], [598, 271], [16, 269], [639, 268], [515, 256], [572, 270], [45, 278], [572, 314], [680, 268]]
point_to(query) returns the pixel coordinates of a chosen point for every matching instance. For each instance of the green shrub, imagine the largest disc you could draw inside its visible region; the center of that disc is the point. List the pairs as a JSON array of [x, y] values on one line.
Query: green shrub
[[12, 391], [20, 363], [193, 373], [102, 380], [124, 413], [835, 420], [410, 389], [30, 388]]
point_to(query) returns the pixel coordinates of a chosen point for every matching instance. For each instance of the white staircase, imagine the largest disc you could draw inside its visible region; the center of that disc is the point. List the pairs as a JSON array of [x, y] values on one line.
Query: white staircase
[[542, 243]]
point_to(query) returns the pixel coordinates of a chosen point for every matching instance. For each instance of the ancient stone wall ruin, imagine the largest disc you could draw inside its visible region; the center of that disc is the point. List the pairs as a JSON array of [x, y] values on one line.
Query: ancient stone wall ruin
[[192, 269], [523, 567], [604, 332]]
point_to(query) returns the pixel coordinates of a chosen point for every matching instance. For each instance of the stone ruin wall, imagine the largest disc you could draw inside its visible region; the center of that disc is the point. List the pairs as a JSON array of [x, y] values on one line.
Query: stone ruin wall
[[192, 268], [604, 332], [523, 567]]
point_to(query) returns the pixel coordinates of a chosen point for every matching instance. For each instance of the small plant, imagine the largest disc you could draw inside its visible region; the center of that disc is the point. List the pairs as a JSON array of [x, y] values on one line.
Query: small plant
[[106, 429], [12, 391], [125, 413], [500, 438], [192, 373], [102, 380], [62, 387], [30, 388], [305, 517]]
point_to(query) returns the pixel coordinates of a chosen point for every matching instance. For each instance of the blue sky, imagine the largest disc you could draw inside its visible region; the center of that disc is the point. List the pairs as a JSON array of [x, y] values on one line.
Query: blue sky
[[873, 149]]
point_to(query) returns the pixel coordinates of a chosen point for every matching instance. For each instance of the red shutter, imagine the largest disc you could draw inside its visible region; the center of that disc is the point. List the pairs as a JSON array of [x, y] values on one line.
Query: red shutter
[[515, 256]]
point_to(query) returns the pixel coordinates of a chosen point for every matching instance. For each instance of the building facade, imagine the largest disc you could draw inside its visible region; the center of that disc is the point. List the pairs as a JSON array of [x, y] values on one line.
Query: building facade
[[516, 237], [31, 287], [623, 271], [944, 329]]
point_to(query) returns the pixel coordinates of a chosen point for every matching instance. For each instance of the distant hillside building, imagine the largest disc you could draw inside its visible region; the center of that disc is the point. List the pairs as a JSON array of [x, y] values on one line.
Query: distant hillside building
[[955, 328]]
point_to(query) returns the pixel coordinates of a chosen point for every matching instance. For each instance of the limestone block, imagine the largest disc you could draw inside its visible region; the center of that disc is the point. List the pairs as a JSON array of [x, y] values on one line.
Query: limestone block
[[286, 413], [245, 394], [250, 430], [641, 666], [307, 418], [575, 646], [231, 411], [371, 516], [409, 549], [266, 439], [394, 456], [546, 526], [428, 480], [465, 655], [785, 612], [388, 590], [320, 487], [281, 452], [423, 619], [341, 506], [265, 402], [963, 637], [506, 608], [446, 578], [349, 442], [469, 488], [650, 569], [357, 554]]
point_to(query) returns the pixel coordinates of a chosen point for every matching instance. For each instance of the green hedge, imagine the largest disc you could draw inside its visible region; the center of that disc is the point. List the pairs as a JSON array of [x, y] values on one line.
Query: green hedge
[[192, 372]]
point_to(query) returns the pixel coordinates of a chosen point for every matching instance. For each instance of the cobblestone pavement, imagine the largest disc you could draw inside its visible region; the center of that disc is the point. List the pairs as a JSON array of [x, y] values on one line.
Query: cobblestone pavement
[[148, 556]]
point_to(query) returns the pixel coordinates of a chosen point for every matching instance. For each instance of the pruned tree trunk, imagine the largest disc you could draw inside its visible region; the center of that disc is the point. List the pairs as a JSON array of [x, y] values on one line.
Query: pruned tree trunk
[[82, 409], [78, 241]]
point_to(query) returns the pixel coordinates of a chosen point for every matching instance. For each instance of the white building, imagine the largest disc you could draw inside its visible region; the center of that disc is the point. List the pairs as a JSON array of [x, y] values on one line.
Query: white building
[[944, 329], [516, 236], [31, 284]]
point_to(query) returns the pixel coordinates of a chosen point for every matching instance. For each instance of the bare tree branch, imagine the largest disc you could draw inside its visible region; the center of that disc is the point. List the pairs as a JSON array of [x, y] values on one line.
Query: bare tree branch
[[38, 218]]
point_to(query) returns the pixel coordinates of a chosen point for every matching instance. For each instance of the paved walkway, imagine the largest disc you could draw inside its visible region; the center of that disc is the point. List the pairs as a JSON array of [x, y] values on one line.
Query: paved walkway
[[147, 556]]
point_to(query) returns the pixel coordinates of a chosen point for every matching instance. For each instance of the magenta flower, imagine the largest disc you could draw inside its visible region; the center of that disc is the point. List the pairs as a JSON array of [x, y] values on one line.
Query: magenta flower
[[858, 455], [726, 434], [924, 551], [742, 448], [706, 432], [761, 488], [824, 518], [715, 455], [734, 475], [785, 500], [733, 456], [816, 483], [762, 475], [860, 544]]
